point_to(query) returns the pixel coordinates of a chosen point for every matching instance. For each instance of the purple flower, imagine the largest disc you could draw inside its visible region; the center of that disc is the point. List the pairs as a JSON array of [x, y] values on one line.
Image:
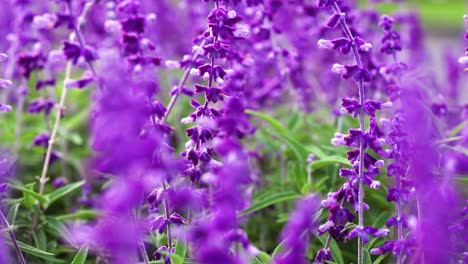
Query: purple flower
[[296, 233], [365, 232]]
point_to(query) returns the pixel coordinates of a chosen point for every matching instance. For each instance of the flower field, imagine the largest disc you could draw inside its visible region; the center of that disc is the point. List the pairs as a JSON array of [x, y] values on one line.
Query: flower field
[[233, 131]]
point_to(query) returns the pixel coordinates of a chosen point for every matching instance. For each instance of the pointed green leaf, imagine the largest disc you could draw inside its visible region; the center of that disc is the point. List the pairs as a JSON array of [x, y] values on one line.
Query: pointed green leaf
[[63, 191], [180, 251], [264, 257], [271, 199], [379, 259], [270, 120], [29, 194], [367, 257], [30, 250], [330, 160], [12, 214], [84, 214], [81, 256]]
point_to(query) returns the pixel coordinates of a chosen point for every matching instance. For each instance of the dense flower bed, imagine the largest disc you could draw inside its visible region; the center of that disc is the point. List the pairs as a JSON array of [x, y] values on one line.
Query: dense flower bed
[[230, 131]]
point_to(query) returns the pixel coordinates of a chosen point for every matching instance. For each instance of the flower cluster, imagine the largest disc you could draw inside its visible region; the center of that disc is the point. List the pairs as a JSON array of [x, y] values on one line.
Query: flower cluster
[[398, 169], [4, 83], [464, 60], [206, 126], [365, 167], [297, 232]]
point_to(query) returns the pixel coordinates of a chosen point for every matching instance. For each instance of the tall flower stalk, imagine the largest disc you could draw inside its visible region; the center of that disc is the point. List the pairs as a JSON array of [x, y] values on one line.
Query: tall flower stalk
[[67, 83], [392, 73], [365, 167], [6, 108]]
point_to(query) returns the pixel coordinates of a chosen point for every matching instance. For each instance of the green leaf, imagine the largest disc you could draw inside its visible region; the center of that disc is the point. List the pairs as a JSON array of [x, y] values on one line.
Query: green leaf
[[63, 191], [306, 188], [270, 120], [176, 259], [294, 120], [379, 259], [84, 214], [180, 252], [367, 257], [330, 160], [57, 228], [316, 151], [29, 194], [12, 214], [271, 199], [81, 256], [264, 257], [458, 128], [320, 184], [30, 250], [40, 239], [255, 260], [281, 133], [277, 249]]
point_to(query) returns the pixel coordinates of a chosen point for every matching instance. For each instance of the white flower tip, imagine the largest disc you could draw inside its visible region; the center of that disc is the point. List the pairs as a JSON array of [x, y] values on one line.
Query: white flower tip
[[69, 83], [5, 83], [344, 110], [137, 68], [197, 50], [242, 33], [229, 72], [208, 178], [219, 80], [387, 105], [145, 42], [463, 60], [110, 5], [206, 76], [151, 17], [186, 120], [194, 72], [379, 164], [232, 14], [339, 69], [338, 142], [366, 47], [325, 44], [375, 185], [3, 57], [45, 21], [172, 64], [112, 26], [5, 108], [254, 251]]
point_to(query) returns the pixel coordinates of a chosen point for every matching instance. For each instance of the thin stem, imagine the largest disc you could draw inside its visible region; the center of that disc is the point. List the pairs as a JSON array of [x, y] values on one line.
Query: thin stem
[[182, 82], [167, 213], [143, 252], [79, 34], [44, 179], [357, 57], [58, 116], [19, 123], [13, 238], [419, 211]]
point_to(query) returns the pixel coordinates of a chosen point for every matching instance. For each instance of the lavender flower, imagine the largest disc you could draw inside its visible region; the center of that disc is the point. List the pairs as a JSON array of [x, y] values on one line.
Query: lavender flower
[[298, 230], [365, 167], [464, 59], [397, 139]]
